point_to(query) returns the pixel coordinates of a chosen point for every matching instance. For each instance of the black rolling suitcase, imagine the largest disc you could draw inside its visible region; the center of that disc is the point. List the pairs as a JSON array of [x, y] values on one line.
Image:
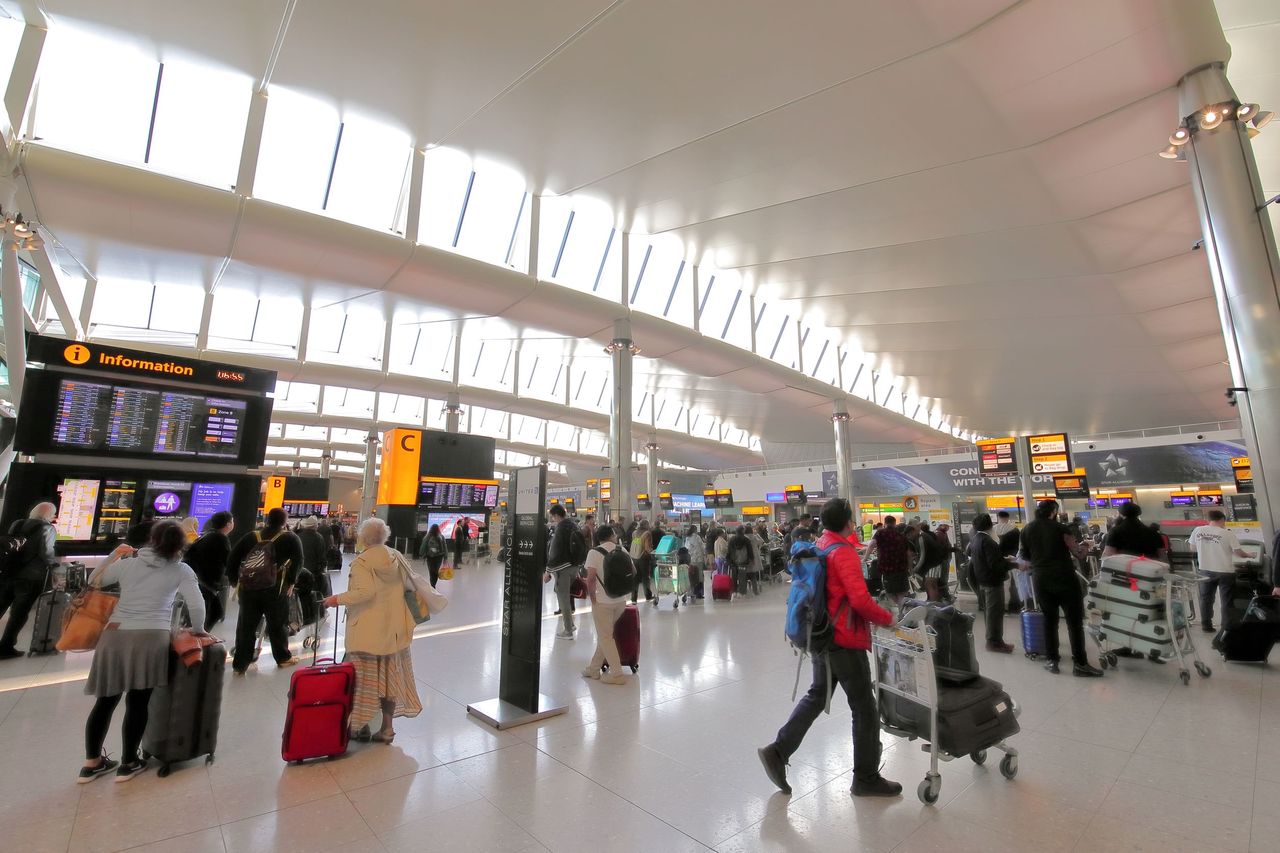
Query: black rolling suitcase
[[46, 629], [1249, 636], [183, 716], [972, 716]]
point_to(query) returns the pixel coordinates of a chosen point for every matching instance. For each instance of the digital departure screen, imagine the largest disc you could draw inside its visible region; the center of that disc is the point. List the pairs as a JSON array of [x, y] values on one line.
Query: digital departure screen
[[451, 493], [142, 420], [117, 508], [77, 503]]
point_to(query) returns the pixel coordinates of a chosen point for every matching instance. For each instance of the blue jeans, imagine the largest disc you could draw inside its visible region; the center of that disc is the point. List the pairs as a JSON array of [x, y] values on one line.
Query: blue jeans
[[851, 669], [1221, 583]]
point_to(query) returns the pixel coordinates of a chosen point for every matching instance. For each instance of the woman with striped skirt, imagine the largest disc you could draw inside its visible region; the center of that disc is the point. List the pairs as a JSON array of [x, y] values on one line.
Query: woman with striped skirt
[[379, 631]]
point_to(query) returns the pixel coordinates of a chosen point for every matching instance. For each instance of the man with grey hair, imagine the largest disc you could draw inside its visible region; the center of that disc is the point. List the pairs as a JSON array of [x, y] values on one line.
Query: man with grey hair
[[23, 581]]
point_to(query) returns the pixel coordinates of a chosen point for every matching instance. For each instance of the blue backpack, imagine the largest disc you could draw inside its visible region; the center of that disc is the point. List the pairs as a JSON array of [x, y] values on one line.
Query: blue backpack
[[808, 626]]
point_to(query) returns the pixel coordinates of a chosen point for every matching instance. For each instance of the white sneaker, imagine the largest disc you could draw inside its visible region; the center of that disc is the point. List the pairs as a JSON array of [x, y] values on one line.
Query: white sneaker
[[591, 673], [564, 635]]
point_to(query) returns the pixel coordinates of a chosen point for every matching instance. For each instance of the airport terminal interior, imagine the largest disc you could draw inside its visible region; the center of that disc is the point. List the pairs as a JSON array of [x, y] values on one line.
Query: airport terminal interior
[[920, 358]]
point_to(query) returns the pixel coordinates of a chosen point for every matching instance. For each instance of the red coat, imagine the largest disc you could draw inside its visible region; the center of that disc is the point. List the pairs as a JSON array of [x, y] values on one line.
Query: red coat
[[846, 592]]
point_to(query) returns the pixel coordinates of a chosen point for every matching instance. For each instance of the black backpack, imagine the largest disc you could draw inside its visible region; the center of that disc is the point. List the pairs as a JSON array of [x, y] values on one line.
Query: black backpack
[[618, 574], [577, 547], [259, 570], [13, 548]]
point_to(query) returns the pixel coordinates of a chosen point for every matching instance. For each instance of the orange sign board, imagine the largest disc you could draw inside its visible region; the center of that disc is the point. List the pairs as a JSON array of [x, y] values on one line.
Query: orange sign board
[[401, 463]]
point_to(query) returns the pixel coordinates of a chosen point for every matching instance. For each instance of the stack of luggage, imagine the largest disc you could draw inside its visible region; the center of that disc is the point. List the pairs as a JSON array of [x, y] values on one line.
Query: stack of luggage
[[1129, 596], [974, 712], [1251, 623]]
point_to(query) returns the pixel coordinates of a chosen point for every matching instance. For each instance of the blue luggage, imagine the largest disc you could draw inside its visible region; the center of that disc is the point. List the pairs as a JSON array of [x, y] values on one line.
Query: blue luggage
[[1033, 642]]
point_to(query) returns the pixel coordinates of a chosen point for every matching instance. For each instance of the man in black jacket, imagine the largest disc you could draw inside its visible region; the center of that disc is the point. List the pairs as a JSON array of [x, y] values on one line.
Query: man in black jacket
[[20, 589], [207, 557], [1050, 548], [991, 570], [560, 565], [271, 602]]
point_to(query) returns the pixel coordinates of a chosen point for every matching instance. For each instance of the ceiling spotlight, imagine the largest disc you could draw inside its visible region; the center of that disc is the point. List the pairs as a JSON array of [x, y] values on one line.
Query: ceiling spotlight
[[1179, 136], [1244, 112], [1210, 118], [1170, 152], [20, 228], [1251, 132], [1262, 118]]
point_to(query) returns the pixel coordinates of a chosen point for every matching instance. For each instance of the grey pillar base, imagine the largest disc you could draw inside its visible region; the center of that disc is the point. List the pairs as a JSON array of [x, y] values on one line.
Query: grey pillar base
[[503, 715]]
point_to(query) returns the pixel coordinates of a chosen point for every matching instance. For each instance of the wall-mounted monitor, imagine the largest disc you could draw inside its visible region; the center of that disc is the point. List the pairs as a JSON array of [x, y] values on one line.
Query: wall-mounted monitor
[[71, 414], [449, 522], [449, 492]]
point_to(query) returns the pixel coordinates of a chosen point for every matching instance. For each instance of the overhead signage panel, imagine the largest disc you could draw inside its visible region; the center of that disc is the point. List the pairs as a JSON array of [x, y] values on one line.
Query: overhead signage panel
[[118, 361], [794, 494], [997, 456]]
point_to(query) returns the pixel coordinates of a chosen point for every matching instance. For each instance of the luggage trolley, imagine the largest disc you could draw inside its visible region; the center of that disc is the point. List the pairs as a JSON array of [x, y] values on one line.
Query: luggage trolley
[[1149, 615], [668, 575], [903, 661]]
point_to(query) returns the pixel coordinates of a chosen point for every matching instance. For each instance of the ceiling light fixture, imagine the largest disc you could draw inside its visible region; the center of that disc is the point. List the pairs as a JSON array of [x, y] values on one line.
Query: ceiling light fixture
[[1262, 118], [1170, 152], [1244, 112], [1179, 136], [1210, 118]]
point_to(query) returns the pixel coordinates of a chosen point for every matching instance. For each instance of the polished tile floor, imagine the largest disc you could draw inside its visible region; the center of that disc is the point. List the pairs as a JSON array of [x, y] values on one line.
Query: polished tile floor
[[1134, 761]]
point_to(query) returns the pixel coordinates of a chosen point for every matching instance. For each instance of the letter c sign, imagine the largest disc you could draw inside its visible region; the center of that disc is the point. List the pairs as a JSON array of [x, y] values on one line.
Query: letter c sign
[[404, 441]]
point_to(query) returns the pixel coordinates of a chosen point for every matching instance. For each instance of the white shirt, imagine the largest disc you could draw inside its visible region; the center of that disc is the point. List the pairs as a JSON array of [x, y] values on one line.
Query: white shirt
[[1001, 529], [1214, 547], [595, 563]]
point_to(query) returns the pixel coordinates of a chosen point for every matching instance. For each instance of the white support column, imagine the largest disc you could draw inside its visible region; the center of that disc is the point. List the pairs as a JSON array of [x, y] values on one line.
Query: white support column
[[535, 231], [388, 327], [370, 486], [844, 456], [304, 336], [800, 346], [621, 350], [515, 369], [252, 145], [413, 214], [15, 315], [651, 480], [50, 277], [206, 318], [697, 300], [86, 304], [624, 280], [453, 413], [751, 305], [22, 79]]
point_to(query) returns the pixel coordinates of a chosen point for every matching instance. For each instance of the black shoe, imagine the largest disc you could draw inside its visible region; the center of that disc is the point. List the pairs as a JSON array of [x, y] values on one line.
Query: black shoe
[[1154, 657], [876, 786], [1126, 653], [1052, 666], [557, 613], [88, 774], [774, 767], [129, 769], [1207, 627], [10, 654], [1084, 670]]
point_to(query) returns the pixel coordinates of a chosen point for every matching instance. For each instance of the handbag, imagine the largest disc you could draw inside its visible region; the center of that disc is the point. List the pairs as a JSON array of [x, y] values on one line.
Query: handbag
[[189, 648], [446, 573], [85, 619], [419, 595], [578, 588]]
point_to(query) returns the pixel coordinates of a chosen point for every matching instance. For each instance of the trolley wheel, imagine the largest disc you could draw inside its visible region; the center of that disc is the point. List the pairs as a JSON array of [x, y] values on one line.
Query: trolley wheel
[[676, 604], [1102, 662], [928, 791], [1112, 659], [1185, 676], [308, 642], [1031, 655], [208, 759], [635, 668], [1009, 766], [979, 756], [1203, 669], [163, 771]]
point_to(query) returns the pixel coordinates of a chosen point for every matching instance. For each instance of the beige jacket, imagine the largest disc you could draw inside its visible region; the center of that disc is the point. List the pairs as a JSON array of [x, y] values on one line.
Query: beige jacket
[[379, 622]]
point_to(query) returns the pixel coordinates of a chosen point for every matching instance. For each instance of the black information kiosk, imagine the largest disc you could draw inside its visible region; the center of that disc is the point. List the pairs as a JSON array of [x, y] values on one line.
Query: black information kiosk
[[519, 700]]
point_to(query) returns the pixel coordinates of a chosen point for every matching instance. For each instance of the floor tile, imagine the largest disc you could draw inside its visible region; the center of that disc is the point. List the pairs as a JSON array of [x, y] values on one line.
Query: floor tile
[[329, 824]]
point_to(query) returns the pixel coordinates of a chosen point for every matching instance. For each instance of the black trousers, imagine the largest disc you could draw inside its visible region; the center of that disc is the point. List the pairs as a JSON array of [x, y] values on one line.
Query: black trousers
[[18, 595], [214, 612], [433, 568], [851, 669], [1070, 599], [135, 723], [256, 604], [993, 606]]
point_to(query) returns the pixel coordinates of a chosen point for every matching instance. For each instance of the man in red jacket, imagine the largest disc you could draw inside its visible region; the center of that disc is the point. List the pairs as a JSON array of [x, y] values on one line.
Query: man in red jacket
[[852, 611]]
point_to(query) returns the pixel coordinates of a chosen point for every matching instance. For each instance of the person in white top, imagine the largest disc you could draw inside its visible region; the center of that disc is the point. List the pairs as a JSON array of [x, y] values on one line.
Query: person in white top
[[1215, 545], [605, 612]]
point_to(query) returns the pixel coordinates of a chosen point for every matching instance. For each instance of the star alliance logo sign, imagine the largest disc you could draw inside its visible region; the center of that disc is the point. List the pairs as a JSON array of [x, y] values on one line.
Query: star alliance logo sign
[[1114, 466]]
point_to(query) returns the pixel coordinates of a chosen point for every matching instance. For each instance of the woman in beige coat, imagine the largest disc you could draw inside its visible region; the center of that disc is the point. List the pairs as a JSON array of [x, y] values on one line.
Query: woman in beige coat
[[379, 631]]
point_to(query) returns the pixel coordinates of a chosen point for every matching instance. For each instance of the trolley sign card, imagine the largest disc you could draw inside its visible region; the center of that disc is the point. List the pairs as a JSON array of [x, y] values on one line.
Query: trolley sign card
[[902, 671]]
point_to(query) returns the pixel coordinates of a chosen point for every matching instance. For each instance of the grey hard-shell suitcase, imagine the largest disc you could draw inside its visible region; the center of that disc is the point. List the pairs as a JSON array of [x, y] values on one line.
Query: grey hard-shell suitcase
[[46, 629], [183, 716]]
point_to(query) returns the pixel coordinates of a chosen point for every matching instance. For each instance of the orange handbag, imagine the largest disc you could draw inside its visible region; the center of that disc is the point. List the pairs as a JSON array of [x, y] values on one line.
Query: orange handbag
[[189, 648], [85, 619]]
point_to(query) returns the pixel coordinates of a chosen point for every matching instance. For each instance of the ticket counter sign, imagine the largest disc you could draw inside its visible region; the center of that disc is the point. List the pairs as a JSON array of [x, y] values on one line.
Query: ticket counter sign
[[1050, 453], [996, 457], [1242, 468], [795, 495], [643, 501], [709, 499], [756, 510], [666, 501], [724, 498], [1073, 486]]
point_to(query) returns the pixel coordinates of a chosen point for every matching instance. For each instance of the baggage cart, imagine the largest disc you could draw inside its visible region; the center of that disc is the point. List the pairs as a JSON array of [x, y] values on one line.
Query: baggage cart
[[904, 673], [1152, 616], [668, 575]]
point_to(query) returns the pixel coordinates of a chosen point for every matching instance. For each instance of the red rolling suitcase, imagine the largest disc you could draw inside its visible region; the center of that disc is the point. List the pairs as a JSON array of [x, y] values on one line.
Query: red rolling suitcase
[[721, 588], [626, 633], [320, 700]]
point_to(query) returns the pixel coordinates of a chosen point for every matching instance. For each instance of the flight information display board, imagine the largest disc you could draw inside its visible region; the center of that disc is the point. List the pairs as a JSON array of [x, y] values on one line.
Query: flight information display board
[[1050, 453], [81, 416], [795, 495], [444, 492]]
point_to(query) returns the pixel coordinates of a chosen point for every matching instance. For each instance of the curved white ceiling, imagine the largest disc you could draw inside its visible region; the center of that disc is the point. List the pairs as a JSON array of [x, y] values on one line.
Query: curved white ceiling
[[969, 190]]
